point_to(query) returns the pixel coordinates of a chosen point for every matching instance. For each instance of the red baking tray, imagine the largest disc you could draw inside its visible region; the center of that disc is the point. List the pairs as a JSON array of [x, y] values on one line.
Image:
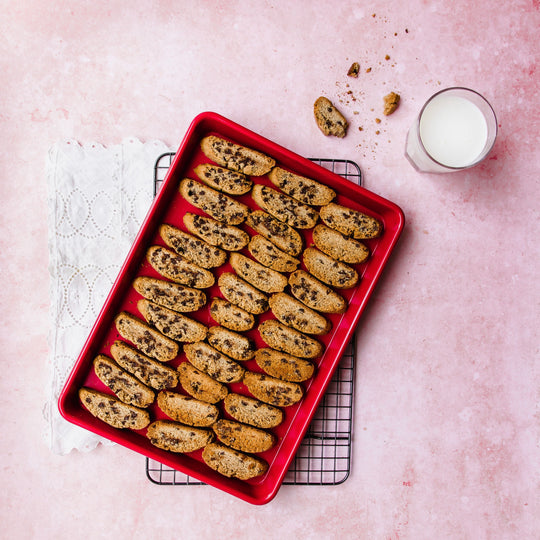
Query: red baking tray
[[169, 207]]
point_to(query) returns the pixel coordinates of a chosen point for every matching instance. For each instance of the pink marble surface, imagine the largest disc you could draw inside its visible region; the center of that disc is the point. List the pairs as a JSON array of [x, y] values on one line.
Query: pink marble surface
[[446, 424]]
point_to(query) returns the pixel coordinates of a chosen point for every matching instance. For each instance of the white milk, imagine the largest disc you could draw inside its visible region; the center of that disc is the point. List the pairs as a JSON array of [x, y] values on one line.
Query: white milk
[[453, 130]]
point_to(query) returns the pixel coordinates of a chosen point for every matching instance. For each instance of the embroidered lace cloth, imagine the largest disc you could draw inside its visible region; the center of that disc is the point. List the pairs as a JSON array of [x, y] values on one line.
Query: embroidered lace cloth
[[97, 199]]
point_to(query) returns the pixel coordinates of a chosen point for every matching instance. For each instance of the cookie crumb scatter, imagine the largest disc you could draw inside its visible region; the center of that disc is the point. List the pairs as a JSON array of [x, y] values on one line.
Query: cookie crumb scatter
[[354, 70], [391, 102]]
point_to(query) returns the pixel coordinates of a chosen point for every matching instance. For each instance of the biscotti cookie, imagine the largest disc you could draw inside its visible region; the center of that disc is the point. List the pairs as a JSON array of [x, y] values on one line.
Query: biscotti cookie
[[112, 411], [252, 411], [236, 157], [214, 232], [328, 270], [350, 222], [170, 295], [284, 366], [241, 293], [279, 233], [315, 294], [192, 248], [232, 463], [271, 390], [296, 314], [270, 255], [329, 119], [214, 203], [213, 362], [231, 182], [145, 338], [303, 189], [176, 268], [265, 279], [231, 343], [230, 315], [289, 340], [187, 409], [200, 385], [171, 323], [242, 437], [149, 371], [284, 208], [338, 246], [174, 437], [126, 387]]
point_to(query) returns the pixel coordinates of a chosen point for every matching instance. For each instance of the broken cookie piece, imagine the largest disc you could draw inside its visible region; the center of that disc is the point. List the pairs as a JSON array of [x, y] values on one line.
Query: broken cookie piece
[[329, 119], [391, 102], [354, 70]]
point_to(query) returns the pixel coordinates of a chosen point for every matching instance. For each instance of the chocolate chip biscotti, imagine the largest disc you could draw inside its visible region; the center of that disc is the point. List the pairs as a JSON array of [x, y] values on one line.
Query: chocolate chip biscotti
[[286, 339], [280, 234], [170, 295], [215, 233], [231, 316], [126, 387], [145, 338], [178, 269], [219, 206], [175, 437], [258, 275], [252, 411], [242, 437], [316, 294], [171, 323], [231, 182], [149, 371], [329, 119], [112, 411], [213, 362], [303, 189], [231, 343], [236, 157], [284, 208], [284, 366], [350, 222], [192, 248], [241, 293], [271, 390], [297, 315], [232, 463], [270, 255], [328, 270], [187, 409], [200, 385], [339, 246]]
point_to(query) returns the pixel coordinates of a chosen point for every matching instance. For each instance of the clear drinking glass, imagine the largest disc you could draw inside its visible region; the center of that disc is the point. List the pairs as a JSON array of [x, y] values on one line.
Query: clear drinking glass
[[455, 130]]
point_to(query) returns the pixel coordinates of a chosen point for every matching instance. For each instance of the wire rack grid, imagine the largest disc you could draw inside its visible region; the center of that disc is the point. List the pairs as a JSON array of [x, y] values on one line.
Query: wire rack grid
[[324, 456]]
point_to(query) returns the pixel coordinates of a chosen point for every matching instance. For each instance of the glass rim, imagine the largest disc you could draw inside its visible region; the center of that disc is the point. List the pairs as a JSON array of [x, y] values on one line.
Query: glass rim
[[428, 101]]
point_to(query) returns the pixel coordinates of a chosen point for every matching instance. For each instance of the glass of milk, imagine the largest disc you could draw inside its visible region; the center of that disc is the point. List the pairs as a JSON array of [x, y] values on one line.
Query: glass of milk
[[455, 130]]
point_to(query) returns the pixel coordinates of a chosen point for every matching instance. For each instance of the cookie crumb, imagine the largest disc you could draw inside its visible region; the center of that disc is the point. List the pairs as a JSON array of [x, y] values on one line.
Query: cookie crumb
[[387, 57], [391, 102], [354, 70], [360, 128], [368, 70], [377, 132], [378, 120]]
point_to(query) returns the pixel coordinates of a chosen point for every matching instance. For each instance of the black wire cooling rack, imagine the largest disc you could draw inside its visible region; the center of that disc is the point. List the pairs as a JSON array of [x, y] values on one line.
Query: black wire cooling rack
[[324, 456]]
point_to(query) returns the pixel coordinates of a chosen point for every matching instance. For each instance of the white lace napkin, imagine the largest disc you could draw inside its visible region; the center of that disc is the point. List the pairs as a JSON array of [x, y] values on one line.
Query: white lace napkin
[[97, 199]]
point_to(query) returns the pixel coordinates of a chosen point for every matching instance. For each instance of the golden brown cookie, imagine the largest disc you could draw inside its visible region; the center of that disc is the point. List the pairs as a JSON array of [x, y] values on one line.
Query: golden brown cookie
[[187, 409], [329, 119], [149, 371], [213, 362], [236, 157], [231, 316], [284, 366], [232, 463], [231, 343], [175, 437], [280, 234], [112, 411], [271, 390], [242, 294], [270, 255], [315, 294], [242, 437], [338, 246], [328, 270], [215, 233], [200, 385], [303, 189], [286, 339], [231, 182], [252, 411], [350, 222], [258, 275]]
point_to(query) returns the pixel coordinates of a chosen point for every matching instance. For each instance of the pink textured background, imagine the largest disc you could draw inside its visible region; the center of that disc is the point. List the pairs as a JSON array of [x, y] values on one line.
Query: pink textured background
[[446, 430]]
